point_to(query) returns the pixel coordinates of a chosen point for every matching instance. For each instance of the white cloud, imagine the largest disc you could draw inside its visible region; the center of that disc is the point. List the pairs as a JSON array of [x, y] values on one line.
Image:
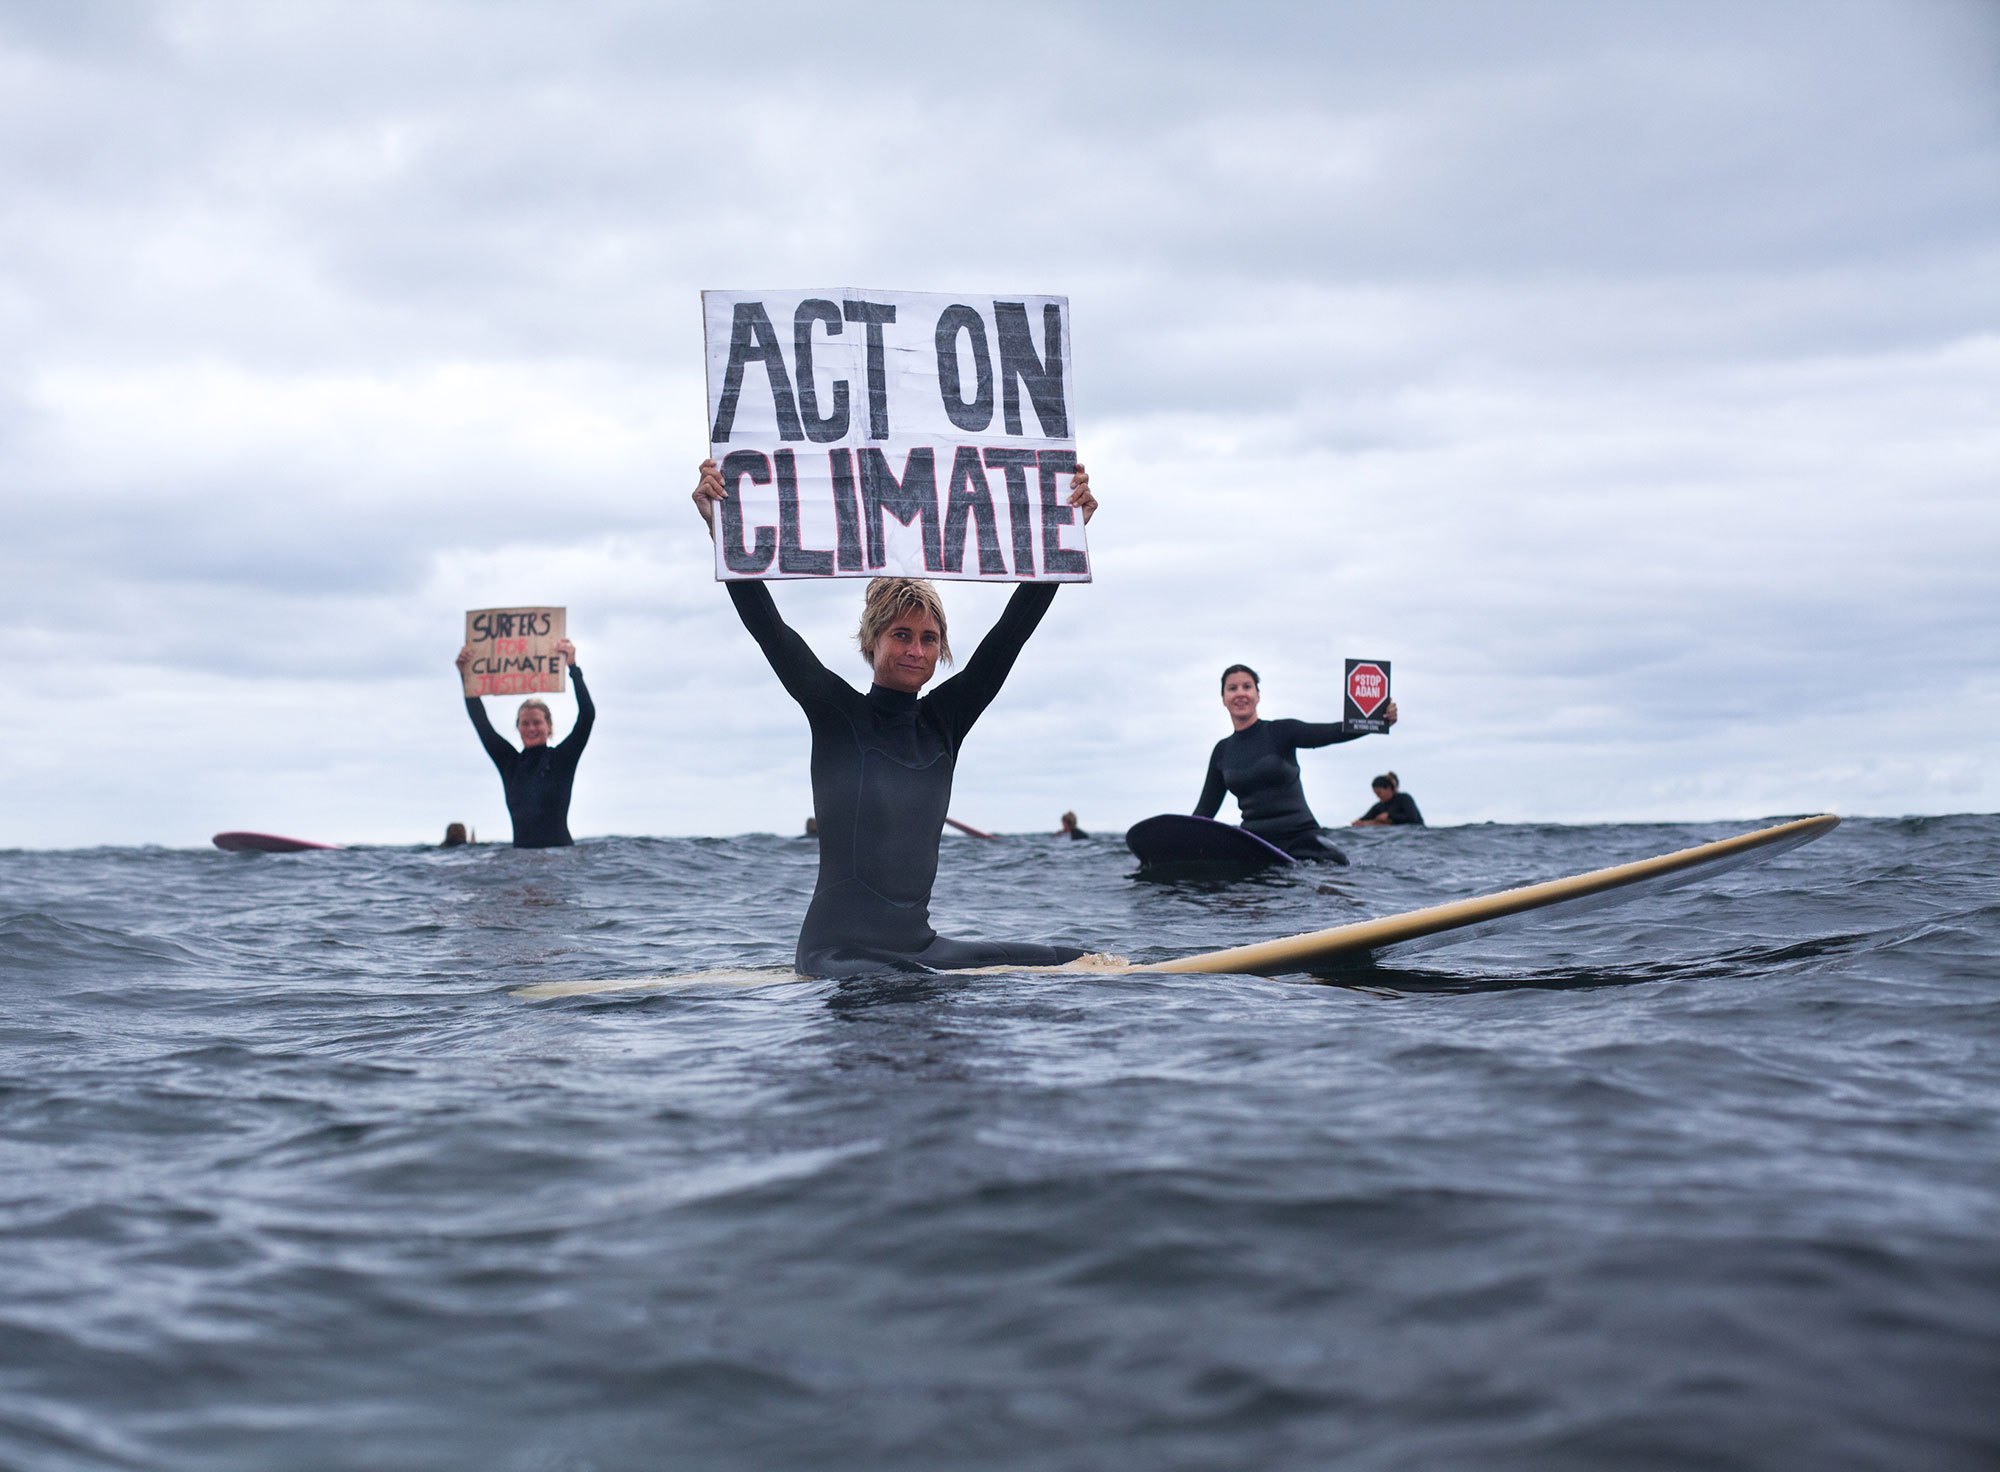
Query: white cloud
[[1626, 375]]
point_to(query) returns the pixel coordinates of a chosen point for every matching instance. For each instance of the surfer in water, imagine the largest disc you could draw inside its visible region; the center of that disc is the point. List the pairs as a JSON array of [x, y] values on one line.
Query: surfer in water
[[882, 763], [1258, 762], [538, 777], [1392, 805]]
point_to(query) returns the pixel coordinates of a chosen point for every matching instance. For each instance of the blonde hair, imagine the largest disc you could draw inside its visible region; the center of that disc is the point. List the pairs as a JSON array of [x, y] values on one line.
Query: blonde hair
[[890, 598], [535, 702]]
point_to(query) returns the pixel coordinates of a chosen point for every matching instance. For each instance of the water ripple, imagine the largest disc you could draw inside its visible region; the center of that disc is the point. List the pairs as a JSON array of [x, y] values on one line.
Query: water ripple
[[292, 1179]]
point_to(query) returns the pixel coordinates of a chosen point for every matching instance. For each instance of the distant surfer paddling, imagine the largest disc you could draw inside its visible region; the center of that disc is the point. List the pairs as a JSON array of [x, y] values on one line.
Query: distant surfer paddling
[[539, 776], [1393, 806], [1258, 764], [882, 763]]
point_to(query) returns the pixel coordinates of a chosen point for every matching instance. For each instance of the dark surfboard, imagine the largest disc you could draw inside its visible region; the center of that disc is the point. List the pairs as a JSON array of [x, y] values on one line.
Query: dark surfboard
[[265, 843], [1182, 843]]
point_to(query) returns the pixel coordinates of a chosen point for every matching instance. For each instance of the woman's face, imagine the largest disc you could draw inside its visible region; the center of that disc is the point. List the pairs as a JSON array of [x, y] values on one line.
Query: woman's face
[[906, 655], [1383, 791], [1239, 697], [533, 724]]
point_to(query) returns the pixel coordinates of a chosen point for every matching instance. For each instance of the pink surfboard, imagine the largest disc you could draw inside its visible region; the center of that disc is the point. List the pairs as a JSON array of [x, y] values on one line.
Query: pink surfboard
[[265, 843]]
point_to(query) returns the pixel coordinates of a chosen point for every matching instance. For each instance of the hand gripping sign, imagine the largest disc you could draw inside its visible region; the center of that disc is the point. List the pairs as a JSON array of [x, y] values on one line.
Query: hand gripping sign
[[1366, 695], [514, 651], [864, 433]]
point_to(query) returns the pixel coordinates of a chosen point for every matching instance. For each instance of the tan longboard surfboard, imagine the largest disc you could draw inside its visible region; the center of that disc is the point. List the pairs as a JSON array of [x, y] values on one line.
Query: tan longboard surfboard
[[1321, 948]]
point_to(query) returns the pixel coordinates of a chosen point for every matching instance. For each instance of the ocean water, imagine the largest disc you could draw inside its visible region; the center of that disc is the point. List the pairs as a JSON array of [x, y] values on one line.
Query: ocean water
[[290, 1179]]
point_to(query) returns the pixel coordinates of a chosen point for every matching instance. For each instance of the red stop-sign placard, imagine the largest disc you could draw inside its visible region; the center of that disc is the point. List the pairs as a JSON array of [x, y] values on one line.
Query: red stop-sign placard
[[1367, 687]]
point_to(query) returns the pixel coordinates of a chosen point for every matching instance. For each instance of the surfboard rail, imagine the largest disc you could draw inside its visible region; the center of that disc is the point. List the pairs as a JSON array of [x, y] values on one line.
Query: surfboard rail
[[1295, 952], [1174, 841]]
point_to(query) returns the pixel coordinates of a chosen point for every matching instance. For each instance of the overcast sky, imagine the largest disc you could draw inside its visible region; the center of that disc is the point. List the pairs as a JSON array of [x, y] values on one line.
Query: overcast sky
[[1627, 374]]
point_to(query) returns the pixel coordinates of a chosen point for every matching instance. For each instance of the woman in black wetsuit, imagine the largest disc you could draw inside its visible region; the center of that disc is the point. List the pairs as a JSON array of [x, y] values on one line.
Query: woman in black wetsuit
[[538, 777], [1258, 762], [882, 764], [1393, 806]]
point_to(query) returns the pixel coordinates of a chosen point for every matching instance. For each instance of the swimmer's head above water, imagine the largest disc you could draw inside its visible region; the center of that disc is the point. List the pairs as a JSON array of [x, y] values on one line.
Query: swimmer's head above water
[[902, 634]]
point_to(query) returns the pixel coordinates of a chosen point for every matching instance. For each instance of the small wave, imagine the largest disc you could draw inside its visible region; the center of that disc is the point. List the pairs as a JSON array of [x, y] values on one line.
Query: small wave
[[1390, 975], [33, 940]]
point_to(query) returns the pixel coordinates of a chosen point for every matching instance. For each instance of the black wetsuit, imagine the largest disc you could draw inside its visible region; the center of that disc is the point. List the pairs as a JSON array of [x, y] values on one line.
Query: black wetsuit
[[1400, 808], [1259, 765], [538, 780], [881, 773]]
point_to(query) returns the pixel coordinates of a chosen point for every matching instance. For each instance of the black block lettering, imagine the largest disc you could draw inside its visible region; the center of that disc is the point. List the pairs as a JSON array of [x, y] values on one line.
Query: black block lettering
[[744, 465], [1056, 512], [873, 315], [833, 426], [1042, 376], [791, 556], [753, 340], [910, 500], [846, 517], [1015, 464], [970, 496], [977, 415]]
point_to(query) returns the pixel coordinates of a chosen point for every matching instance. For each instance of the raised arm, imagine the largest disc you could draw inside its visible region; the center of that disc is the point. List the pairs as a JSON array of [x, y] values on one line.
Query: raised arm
[[586, 709], [960, 700], [1325, 733], [497, 746], [798, 669], [1315, 733]]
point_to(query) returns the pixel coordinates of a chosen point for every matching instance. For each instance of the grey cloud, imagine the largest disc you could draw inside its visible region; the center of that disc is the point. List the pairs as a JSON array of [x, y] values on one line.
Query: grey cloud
[[1622, 370]]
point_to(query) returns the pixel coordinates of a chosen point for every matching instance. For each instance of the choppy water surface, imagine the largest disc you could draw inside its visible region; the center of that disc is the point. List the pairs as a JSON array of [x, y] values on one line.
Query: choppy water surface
[[289, 1179]]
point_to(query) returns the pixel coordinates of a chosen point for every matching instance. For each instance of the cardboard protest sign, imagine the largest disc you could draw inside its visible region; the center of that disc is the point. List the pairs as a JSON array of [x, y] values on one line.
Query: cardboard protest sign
[[514, 651], [864, 433], [1365, 696]]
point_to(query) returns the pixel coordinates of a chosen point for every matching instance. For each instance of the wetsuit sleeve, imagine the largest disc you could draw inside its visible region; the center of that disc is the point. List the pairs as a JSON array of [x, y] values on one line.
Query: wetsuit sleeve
[[1213, 788], [571, 746], [496, 745], [1379, 810], [959, 701], [1314, 733], [798, 669]]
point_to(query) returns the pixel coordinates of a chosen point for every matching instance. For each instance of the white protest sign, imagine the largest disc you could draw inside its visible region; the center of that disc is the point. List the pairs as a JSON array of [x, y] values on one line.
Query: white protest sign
[[918, 434]]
